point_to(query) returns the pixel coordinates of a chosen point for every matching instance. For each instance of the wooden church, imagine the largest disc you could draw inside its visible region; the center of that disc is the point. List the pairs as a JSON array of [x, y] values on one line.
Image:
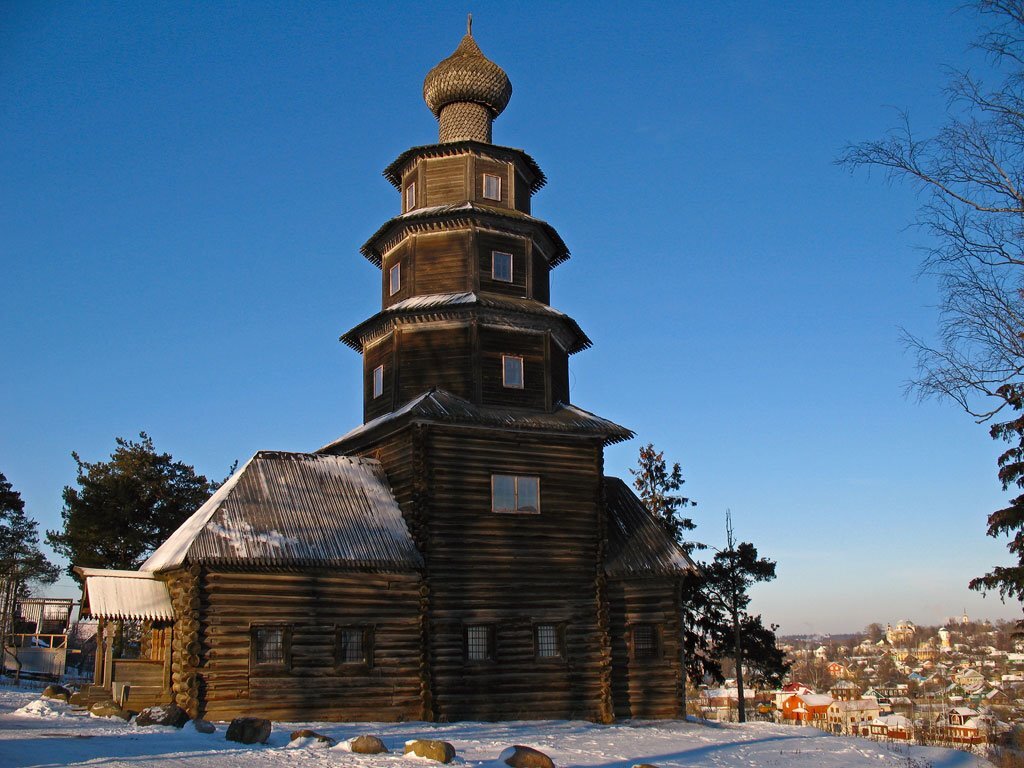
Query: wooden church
[[460, 555]]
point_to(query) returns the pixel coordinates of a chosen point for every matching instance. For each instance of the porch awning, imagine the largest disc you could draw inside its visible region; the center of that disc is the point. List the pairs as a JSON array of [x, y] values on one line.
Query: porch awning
[[124, 595]]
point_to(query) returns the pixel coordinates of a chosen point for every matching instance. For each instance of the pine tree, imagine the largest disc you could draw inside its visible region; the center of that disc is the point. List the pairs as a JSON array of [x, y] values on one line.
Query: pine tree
[[122, 509], [657, 486]]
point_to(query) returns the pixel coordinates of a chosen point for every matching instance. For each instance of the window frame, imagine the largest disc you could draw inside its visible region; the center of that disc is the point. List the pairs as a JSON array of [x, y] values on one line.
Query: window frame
[[511, 267], [516, 479], [491, 643], [504, 372], [497, 179], [366, 632], [656, 650], [377, 385], [559, 630], [410, 196], [395, 279], [282, 665]]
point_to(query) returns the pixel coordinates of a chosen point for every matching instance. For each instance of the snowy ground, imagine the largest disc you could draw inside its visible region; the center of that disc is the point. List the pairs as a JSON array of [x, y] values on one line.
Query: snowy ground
[[50, 734]]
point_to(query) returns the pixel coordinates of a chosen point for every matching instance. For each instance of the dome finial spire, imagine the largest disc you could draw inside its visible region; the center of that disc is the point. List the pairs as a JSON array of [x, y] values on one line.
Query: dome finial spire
[[469, 24]]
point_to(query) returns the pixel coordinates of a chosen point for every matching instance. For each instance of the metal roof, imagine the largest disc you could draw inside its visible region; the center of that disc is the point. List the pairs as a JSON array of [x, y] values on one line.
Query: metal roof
[[287, 509], [637, 544], [448, 305], [507, 219], [124, 595], [441, 406]]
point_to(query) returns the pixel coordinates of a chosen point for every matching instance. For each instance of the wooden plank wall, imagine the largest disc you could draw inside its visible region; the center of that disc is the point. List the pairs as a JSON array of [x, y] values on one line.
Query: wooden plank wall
[[445, 180], [401, 255], [647, 688], [431, 356], [514, 570], [541, 279], [442, 262], [494, 168], [559, 362], [380, 353], [312, 603], [496, 342], [486, 244], [522, 194]]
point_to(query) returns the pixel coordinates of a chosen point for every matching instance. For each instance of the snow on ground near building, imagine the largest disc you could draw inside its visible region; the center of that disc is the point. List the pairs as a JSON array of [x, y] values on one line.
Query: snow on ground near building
[[34, 734]]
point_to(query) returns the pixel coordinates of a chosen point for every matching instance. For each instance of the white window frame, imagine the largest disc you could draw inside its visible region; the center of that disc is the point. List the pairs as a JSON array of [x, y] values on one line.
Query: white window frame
[[410, 196], [504, 372], [378, 381], [395, 279], [494, 267], [516, 479], [497, 181]]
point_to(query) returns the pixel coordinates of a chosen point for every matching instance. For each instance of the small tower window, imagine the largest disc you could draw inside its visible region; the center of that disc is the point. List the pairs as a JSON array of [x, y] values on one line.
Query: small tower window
[[378, 381], [515, 493], [501, 266], [395, 279], [512, 371], [492, 186], [410, 196]]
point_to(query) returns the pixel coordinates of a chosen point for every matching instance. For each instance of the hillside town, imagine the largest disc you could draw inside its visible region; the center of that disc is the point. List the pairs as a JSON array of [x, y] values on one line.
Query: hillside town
[[959, 684]]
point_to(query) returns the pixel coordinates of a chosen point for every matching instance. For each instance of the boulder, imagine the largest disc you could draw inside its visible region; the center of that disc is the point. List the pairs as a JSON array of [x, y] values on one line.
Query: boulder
[[441, 751], [109, 708], [525, 757], [249, 730], [203, 726], [367, 745], [163, 714], [79, 699], [58, 692], [319, 738], [644, 765]]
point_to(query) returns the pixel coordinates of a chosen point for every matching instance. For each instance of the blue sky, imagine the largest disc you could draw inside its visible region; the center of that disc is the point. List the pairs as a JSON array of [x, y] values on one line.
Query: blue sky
[[185, 187]]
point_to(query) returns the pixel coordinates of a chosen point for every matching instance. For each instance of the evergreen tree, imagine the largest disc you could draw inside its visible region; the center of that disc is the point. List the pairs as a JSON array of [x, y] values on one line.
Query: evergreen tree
[[657, 486], [122, 509]]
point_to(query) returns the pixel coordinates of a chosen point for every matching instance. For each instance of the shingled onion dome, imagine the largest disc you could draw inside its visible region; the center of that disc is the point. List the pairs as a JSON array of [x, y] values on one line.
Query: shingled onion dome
[[466, 92]]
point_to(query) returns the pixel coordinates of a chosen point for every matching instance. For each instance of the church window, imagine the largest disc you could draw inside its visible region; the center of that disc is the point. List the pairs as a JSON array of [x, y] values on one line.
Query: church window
[[492, 187], [645, 641], [548, 641], [515, 493], [512, 371], [501, 266], [270, 646], [378, 381], [354, 645], [410, 196], [395, 279], [479, 642]]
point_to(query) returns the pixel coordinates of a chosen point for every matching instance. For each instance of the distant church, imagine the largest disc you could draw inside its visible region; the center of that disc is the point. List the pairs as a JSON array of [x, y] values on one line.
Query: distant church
[[460, 555]]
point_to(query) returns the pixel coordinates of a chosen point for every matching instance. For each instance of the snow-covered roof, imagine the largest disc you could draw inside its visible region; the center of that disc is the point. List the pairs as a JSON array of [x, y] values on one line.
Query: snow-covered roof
[[124, 595], [815, 699], [637, 544], [296, 509]]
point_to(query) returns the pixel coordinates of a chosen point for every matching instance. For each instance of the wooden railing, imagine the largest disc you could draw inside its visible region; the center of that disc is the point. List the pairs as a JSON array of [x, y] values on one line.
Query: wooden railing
[[37, 641]]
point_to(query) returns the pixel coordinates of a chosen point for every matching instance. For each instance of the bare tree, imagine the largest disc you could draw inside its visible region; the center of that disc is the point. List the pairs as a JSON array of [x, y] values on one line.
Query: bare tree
[[972, 176]]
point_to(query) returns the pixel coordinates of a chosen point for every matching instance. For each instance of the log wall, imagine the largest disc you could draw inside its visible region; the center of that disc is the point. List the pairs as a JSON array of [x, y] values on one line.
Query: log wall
[[311, 604], [647, 688], [496, 342]]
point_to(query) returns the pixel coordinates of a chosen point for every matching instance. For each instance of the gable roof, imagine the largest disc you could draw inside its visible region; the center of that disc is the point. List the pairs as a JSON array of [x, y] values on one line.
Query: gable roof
[[296, 509], [637, 544]]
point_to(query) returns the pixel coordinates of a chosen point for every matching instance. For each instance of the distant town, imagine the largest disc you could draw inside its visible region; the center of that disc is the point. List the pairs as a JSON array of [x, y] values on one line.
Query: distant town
[[960, 684]]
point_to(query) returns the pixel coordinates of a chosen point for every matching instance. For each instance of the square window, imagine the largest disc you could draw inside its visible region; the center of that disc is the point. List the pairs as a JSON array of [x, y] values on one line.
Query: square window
[[492, 187], [395, 279], [353, 645], [548, 641], [378, 381], [515, 493], [501, 266], [269, 646], [479, 642], [512, 371], [645, 641], [410, 196]]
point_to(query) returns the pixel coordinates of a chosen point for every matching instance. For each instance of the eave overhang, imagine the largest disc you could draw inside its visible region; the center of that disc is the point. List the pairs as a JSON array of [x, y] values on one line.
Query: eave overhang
[[526, 165], [506, 311], [444, 217], [438, 406]]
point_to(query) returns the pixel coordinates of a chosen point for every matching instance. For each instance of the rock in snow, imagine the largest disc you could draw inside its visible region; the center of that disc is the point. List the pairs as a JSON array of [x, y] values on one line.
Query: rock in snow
[[441, 751], [525, 757], [248, 730]]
